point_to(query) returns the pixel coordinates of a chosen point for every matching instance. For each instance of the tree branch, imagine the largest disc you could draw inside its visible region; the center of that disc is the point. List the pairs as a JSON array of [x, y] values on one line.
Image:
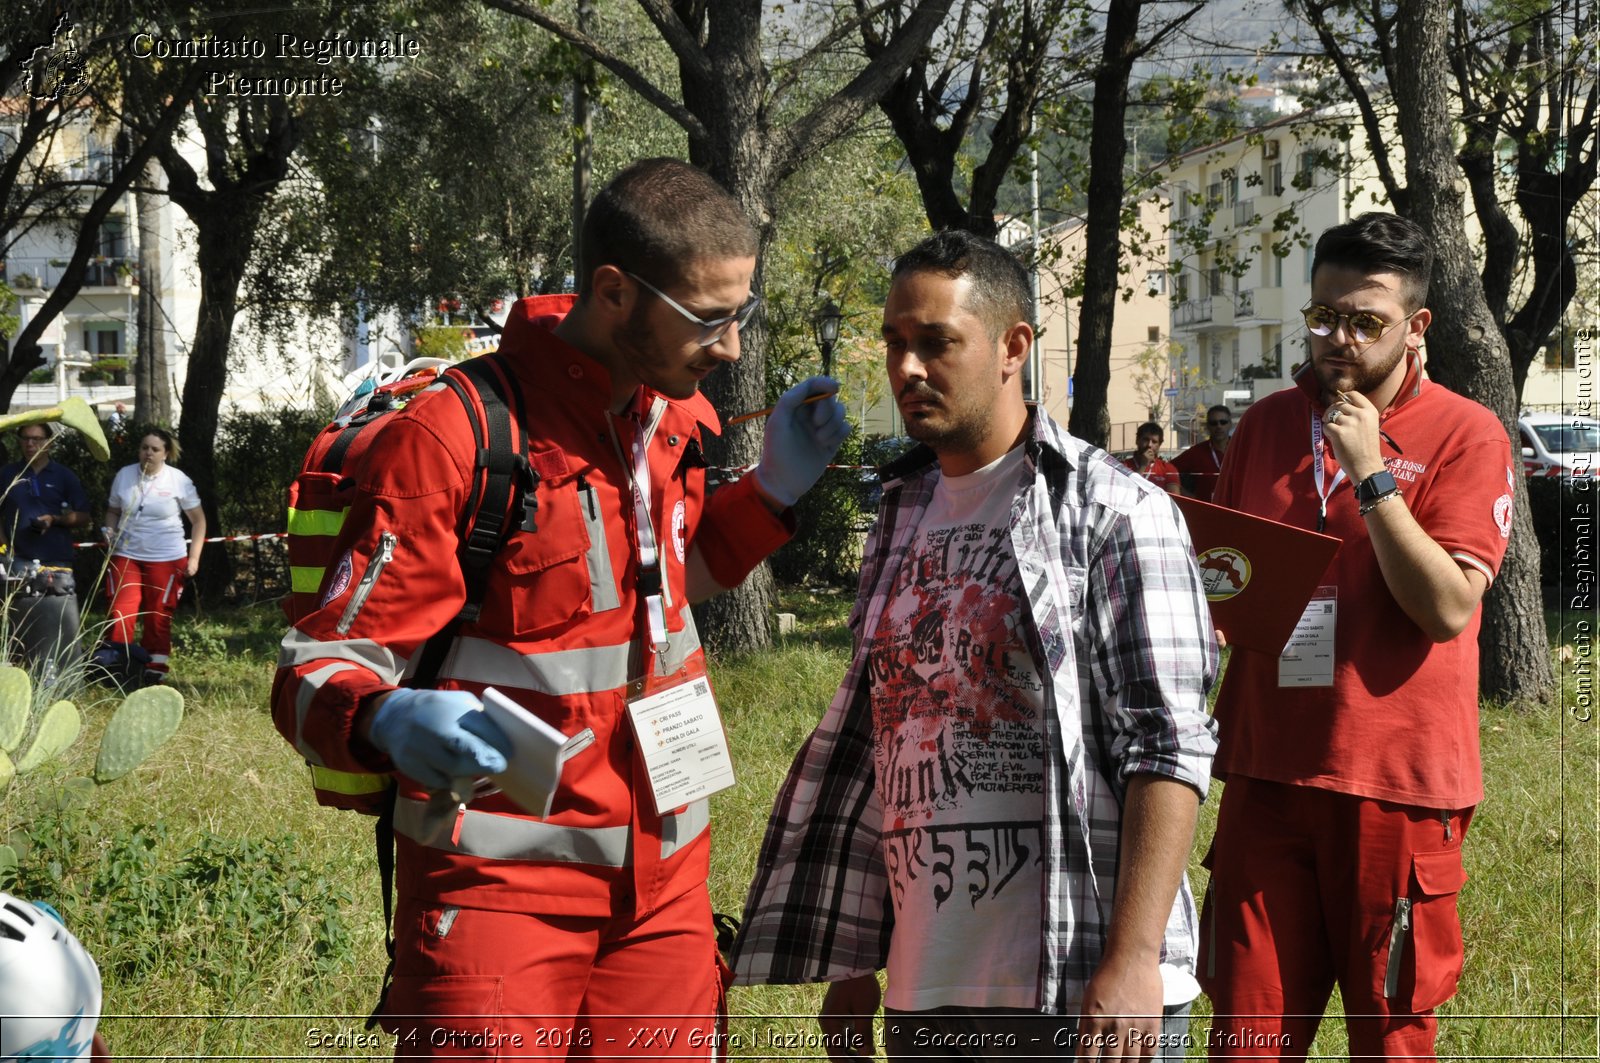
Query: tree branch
[[628, 72], [847, 28], [829, 119], [1351, 77]]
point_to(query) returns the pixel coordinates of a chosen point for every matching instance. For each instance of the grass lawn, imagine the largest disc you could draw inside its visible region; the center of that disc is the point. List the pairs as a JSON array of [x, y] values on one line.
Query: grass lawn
[[232, 917]]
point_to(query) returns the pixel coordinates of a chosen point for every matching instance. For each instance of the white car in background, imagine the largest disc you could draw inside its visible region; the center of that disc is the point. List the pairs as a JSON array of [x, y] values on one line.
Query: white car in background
[[1559, 444]]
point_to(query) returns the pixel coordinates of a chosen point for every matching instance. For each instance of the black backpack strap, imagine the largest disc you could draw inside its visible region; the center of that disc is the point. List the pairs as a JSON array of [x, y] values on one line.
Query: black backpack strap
[[333, 460], [502, 488], [504, 474]]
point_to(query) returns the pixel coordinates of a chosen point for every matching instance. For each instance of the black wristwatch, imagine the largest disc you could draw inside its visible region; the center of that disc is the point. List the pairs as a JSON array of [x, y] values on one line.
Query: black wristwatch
[[1376, 486]]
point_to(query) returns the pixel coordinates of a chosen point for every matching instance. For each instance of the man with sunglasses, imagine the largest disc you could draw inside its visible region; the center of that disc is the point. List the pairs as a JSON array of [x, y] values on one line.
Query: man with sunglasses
[[1200, 465], [43, 502], [549, 935], [1352, 761]]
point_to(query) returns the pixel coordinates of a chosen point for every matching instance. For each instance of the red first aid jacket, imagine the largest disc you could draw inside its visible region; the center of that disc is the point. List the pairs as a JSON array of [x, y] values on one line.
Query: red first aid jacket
[[563, 627]]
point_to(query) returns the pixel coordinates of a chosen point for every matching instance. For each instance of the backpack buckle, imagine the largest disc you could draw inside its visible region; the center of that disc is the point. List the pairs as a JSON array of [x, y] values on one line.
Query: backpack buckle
[[530, 496]]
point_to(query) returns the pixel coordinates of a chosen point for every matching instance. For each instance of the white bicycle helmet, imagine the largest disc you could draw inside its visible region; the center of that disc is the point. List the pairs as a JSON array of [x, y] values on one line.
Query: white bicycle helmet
[[49, 987]]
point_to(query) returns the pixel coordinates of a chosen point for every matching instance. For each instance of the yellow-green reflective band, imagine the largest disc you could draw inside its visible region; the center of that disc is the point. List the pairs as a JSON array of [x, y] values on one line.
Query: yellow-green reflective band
[[347, 782], [316, 521], [305, 579]]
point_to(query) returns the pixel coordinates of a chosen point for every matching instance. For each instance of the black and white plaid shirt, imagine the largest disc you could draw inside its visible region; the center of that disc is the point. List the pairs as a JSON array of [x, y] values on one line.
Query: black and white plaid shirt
[[1120, 630]]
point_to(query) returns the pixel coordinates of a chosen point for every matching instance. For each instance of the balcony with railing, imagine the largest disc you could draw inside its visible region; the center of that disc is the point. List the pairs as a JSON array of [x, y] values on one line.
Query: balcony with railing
[[1261, 304], [1207, 314], [1193, 312], [42, 274]]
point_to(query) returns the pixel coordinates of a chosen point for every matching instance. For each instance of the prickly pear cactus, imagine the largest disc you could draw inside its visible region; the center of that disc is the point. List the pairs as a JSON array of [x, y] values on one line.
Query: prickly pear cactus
[[8, 771], [143, 722], [58, 729], [16, 703]]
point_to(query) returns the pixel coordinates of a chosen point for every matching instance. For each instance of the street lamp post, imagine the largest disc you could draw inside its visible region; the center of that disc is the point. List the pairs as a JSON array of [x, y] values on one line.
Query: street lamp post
[[828, 319]]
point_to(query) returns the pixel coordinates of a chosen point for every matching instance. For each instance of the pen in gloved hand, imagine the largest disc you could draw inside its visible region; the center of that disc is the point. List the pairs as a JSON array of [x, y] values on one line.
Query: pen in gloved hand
[[753, 414]]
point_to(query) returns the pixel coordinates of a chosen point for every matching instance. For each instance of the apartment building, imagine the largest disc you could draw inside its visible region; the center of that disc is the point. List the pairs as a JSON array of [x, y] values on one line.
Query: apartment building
[[100, 322], [1246, 214], [1140, 386]]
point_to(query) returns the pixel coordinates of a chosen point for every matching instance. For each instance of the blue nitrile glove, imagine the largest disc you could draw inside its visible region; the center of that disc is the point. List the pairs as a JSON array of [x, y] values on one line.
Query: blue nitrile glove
[[438, 736], [801, 440]]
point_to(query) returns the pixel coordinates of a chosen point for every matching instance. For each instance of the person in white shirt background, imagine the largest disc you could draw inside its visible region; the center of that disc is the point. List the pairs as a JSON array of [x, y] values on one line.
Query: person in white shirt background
[[149, 557]]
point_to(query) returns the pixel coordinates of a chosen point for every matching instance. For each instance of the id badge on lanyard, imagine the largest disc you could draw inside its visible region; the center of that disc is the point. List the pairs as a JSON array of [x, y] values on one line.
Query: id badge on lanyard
[[675, 719], [680, 734], [1307, 659]]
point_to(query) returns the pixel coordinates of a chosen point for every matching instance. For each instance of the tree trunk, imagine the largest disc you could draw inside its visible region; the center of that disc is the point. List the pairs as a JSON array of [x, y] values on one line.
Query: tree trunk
[[740, 620], [152, 390], [1091, 375], [582, 142], [1467, 353], [225, 232]]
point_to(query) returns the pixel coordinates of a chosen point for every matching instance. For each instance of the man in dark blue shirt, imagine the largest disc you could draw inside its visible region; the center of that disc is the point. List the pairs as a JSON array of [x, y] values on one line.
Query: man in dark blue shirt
[[43, 502]]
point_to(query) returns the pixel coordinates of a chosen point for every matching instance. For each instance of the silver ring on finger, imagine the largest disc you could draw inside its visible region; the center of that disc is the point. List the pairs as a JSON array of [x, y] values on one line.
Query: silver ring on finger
[[1334, 415]]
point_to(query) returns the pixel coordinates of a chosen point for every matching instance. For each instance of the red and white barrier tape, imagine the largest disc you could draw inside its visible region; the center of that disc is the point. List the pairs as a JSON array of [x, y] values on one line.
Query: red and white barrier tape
[[727, 475]]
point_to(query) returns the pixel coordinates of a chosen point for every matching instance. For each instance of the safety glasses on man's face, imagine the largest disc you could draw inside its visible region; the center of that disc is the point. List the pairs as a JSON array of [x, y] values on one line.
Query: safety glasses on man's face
[[710, 331], [1363, 326]]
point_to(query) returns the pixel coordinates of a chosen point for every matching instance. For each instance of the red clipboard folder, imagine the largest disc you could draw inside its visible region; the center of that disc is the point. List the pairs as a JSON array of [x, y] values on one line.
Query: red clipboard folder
[[1258, 574]]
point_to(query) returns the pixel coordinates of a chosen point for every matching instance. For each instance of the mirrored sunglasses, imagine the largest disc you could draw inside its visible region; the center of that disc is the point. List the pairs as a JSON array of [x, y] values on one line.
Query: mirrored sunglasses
[[1363, 326]]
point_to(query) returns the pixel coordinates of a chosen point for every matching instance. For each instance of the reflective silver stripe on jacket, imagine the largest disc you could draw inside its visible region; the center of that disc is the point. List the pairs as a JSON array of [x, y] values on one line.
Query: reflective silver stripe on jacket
[[587, 670], [308, 689], [679, 830], [491, 836], [298, 648]]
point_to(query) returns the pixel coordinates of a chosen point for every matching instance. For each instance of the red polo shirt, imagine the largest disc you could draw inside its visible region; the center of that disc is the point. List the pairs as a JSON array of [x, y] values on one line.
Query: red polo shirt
[[1400, 722], [1161, 472]]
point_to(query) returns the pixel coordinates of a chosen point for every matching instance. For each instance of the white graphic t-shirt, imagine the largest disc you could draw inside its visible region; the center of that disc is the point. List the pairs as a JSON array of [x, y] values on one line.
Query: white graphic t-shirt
[[958, 751]]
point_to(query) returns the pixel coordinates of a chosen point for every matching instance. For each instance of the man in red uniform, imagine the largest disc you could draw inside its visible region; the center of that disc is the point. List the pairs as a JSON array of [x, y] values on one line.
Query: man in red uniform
[[551, 936], [1352, 761], [1147, 460], [1202, 463]]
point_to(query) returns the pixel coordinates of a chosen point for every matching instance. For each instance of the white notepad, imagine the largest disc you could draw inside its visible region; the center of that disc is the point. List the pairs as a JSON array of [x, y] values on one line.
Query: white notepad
[[538, 751]]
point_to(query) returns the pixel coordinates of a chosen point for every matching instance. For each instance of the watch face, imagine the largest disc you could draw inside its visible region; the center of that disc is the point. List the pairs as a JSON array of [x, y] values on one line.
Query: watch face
[[1376, 486]]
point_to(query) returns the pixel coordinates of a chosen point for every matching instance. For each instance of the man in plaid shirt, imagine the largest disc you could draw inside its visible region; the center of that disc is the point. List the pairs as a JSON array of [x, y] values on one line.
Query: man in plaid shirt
[[999, 803]]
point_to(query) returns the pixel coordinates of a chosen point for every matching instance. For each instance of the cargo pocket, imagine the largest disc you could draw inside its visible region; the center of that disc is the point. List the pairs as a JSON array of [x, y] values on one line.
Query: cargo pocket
[[1425, 950], [549, 584], [443, 1016]]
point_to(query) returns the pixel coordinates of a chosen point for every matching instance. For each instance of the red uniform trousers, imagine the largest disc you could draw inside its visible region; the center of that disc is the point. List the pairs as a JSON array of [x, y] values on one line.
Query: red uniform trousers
[[479, 984], [147, 590], [1305, 889]]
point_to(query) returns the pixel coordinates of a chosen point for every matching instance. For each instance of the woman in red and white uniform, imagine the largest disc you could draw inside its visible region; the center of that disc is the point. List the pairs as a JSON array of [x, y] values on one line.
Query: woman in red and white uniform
[[149, 558]]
